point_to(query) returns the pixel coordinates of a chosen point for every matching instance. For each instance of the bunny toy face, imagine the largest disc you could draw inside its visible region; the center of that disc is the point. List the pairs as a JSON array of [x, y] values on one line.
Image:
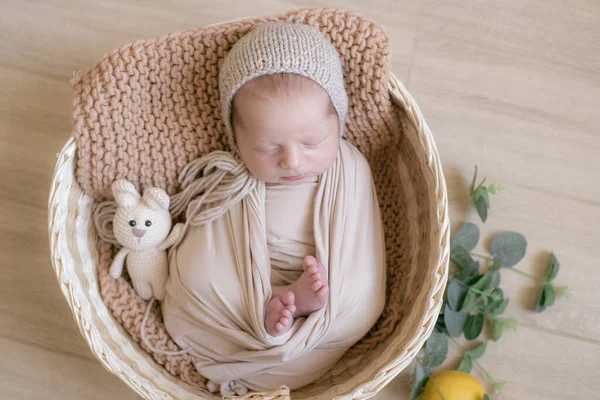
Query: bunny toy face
[[140, 222]]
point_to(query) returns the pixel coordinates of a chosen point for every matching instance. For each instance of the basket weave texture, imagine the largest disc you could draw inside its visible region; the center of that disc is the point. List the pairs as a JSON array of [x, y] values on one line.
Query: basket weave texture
[[148, 108]]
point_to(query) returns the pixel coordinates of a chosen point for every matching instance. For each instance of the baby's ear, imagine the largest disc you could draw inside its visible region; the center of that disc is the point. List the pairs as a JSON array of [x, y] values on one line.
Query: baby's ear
[[125, 193], [156, 198]]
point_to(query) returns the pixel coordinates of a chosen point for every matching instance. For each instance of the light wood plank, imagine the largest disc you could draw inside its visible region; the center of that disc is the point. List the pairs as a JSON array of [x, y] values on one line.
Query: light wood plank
[[36, 122], [28, 372], [553, 32], [56, 39]]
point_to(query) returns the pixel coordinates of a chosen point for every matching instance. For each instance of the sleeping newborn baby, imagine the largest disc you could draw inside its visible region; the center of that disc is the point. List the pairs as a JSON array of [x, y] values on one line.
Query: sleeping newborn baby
[[289, 276], [287, 132]]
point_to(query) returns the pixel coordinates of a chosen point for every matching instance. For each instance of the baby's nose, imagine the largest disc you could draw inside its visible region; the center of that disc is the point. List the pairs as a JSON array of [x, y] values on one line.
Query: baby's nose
[[292, 159], [138, 232]]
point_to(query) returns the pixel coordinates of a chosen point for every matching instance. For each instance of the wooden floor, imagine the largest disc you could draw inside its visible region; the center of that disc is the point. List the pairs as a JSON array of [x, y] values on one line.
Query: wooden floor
[[512, 86]]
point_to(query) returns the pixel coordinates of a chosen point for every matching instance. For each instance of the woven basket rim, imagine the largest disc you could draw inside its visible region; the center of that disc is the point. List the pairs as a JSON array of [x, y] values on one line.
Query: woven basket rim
[[367, 383]]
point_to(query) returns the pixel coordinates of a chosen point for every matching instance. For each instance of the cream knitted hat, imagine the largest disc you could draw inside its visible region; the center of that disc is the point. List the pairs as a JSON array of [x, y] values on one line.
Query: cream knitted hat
[[277, 47]]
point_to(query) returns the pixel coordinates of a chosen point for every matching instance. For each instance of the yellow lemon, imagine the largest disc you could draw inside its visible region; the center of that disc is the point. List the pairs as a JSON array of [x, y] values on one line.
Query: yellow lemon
[[455, 385]]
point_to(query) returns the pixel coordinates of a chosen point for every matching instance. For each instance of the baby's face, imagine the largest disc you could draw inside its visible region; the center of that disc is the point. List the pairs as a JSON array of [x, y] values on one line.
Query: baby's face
[[286, 138]]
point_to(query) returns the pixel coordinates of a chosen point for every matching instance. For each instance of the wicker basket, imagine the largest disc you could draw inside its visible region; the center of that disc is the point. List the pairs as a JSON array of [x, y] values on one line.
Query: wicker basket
[[414, 296]]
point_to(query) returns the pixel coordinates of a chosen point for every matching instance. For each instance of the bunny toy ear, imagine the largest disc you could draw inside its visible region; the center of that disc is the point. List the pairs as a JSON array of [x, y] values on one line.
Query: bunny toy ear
[[156, 198], [125, 193]]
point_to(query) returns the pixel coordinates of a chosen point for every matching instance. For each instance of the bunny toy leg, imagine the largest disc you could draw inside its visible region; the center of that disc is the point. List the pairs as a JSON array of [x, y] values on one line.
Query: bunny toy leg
[[158, 279], [143, 289], [159, 284]]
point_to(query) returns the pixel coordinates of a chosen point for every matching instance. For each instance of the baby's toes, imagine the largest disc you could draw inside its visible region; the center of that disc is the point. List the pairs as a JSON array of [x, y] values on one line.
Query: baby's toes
[[315, 277], [288, 298], [309, 262], [285, 322], [286, 313], [291, 308], [317, 285], [323, 291]]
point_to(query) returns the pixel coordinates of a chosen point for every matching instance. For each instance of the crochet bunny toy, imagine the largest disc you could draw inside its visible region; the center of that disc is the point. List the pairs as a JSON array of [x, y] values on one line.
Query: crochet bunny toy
[[142, 224]]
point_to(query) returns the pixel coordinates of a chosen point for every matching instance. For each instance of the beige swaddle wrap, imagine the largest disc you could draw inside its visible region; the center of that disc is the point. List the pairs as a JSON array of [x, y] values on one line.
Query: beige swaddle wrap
[[221, 275]]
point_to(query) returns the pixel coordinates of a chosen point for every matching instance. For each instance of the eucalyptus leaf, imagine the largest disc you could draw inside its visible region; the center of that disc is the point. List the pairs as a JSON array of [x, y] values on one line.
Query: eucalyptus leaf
[[436, 349], [497, 328], [474, 268], [541, 304], [482, 284], [467, 273], [462, 274], [482, 205], [486, 397], [467, 237], [470, 302], [455, 321], [494, 278], [477, 192], [474, 279], [465, 364], [553, 268], [484, 194], [485, 300], [500, 308], [549, 295], [418, 381], [473, 326], [461, 257], [498, 294], [455, 294], [509, 248], [477, 351], [493, 304], [497, 297]]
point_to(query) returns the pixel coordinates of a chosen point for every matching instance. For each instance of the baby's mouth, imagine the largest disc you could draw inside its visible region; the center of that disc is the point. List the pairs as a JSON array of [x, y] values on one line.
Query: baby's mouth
[[294, 178]]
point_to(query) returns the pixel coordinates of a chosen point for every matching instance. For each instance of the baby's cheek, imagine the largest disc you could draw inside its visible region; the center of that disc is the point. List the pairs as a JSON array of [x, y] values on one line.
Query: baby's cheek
[[262, 169], [329, 159]]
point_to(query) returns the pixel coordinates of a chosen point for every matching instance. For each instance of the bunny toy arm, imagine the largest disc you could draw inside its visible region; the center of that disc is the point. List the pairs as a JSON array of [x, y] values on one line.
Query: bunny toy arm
[[173, 237], [116, 267]]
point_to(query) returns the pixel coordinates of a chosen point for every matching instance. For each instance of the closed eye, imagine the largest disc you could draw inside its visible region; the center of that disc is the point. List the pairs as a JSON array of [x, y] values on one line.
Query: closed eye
[[313, 145], [267, 151]]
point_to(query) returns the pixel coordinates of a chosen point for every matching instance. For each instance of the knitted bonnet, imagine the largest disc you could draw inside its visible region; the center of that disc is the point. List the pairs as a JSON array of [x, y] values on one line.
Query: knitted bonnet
[[279, 47]]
